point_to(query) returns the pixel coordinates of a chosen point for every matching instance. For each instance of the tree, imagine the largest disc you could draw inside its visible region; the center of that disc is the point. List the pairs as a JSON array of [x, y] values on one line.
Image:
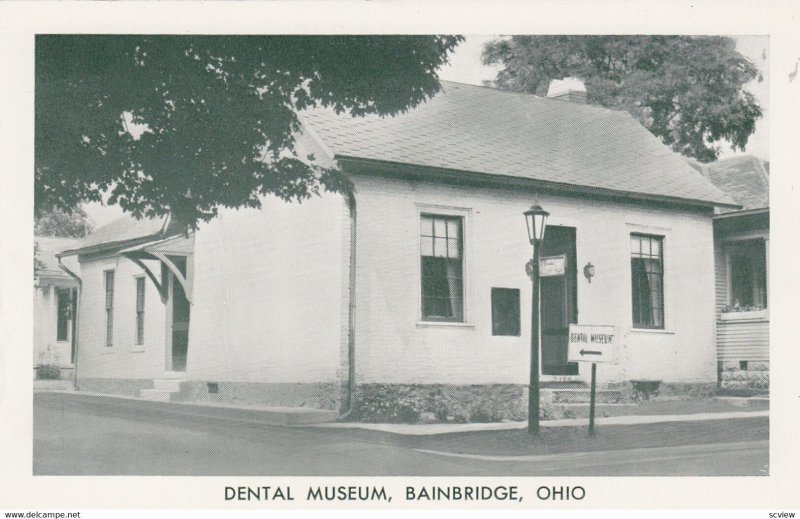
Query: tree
[[188, 124], [73, 223], [687, 90]]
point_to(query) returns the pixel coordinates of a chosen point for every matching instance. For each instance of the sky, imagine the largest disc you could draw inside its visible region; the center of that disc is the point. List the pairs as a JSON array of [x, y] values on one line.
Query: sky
[[465, 67]]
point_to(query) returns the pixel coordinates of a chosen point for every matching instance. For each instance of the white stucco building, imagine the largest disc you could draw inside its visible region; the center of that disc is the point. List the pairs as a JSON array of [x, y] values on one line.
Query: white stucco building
[[413, 290], [54, 297]]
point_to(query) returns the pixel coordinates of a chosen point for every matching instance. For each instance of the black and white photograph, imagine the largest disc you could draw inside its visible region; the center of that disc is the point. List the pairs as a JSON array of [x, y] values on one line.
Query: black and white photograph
[[392, 258]]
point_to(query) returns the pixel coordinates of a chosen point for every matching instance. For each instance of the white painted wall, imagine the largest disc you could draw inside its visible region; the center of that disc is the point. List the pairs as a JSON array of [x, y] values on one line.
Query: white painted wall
[[124, 359], [45, 321], [393, 347], [269, 293]]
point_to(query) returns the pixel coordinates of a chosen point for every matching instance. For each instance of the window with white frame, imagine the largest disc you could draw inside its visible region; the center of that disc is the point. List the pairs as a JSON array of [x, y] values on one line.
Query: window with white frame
[[109, 285], [647, 280], [64, 314], [442, 267], [747, 275], [140, 310]]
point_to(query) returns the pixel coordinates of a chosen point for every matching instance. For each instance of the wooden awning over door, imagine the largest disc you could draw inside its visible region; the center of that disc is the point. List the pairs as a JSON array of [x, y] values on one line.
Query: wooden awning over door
[[163, 250]]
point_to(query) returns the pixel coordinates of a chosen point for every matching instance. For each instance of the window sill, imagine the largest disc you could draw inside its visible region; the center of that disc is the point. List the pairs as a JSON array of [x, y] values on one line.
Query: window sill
[[657, 331], [744, 316], [137, 349], [443, 324]]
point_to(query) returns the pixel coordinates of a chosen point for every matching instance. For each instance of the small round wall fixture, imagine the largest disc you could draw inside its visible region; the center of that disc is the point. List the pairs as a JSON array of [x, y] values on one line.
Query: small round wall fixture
[[588, 271]]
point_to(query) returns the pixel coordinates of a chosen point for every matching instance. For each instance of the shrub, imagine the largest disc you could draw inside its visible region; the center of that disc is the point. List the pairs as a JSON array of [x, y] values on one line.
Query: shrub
[[568, 414], [47, 368], [48, 372], [644, 389], [481, 415]]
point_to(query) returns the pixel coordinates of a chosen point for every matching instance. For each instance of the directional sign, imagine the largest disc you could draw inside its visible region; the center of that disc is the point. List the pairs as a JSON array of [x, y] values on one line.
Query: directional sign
[[589, 343]]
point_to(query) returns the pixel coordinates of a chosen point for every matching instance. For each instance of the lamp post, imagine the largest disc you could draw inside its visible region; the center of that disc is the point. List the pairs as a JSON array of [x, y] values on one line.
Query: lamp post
[[536, 220]]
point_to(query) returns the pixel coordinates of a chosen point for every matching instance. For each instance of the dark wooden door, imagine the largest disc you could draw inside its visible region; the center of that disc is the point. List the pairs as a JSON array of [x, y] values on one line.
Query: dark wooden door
[[559, 303], [180, 318]]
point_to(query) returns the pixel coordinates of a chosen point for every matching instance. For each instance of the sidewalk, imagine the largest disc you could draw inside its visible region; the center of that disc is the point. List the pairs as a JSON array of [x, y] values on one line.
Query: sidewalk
[[442, 428], [651, 412]]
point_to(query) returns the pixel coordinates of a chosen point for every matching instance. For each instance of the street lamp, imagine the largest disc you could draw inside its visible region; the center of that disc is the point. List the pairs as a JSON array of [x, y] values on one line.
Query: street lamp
[[536, 220]]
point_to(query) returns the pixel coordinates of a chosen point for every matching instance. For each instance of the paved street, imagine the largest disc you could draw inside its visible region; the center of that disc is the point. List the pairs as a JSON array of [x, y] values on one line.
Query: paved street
[[80, 437]]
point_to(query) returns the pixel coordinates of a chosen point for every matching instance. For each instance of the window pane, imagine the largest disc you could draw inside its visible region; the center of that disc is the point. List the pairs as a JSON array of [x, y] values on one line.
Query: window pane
[[140, 284], [439, 227], [139, 294], [440, 247], [442, 284], [426, 246], [748, 274], [636, 245], [453, 248], [63, 310], [426, 226], [109, 289], [647, 281], [109, 277], [454, 228]]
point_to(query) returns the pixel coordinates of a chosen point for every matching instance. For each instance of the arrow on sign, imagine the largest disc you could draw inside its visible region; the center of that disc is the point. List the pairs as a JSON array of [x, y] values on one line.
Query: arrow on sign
[[591, 352]]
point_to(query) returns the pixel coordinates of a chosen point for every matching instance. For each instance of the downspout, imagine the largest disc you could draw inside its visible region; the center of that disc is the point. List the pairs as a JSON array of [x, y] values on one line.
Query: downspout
[[350, 393], [76, 330]]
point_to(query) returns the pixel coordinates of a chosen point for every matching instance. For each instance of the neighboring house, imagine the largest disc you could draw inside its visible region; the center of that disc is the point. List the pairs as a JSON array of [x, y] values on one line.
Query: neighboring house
[[741, 239], [54, 300], [413, 292]]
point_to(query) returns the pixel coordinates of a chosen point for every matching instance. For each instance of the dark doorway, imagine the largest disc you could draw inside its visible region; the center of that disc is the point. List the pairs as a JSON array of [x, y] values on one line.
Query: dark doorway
[[559, 307], [180, 317]]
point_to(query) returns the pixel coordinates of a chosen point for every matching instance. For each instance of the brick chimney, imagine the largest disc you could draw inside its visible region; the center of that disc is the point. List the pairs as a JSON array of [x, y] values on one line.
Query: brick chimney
[[568, 89]]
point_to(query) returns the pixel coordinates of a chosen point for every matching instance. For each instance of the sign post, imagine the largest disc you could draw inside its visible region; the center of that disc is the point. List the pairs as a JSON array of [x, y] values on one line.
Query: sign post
[[591, 399], [595, 344]]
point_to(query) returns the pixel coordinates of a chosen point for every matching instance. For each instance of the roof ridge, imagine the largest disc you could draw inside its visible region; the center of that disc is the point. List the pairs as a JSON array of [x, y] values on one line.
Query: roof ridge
[[530, 95]]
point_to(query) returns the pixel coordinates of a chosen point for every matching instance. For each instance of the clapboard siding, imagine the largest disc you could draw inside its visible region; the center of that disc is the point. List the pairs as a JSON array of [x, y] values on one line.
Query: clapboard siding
[[743, 340]]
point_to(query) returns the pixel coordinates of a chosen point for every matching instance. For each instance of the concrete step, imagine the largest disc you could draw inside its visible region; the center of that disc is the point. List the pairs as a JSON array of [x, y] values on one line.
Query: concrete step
[[174, 375], [156, 395], [53, 385], [173, 385], [581, 410], [581, 395]]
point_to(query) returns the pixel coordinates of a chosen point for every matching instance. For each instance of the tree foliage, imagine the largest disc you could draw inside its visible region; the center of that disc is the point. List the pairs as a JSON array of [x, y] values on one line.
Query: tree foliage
[[38, 264], [687, 90], [72, 223], [188, 124]]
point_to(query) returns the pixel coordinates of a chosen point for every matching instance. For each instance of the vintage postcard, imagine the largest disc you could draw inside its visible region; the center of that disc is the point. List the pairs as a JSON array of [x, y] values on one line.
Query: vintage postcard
[[345, 255]]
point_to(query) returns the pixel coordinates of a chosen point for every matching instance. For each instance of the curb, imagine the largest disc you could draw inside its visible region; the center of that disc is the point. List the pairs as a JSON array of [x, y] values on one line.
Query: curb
[[266, 416], [260, 415], [434, 429]]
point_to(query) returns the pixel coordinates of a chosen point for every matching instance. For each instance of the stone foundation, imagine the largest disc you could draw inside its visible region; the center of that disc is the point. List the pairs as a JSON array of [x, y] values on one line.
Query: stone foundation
[[114, 386], [744, 375], [319, 395], [428, 403], [411, 403]]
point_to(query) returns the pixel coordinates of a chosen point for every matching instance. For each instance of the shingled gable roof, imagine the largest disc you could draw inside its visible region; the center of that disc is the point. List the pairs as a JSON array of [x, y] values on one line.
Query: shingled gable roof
[[125, 230], [744, 178], [49, 247], [488, 131]]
